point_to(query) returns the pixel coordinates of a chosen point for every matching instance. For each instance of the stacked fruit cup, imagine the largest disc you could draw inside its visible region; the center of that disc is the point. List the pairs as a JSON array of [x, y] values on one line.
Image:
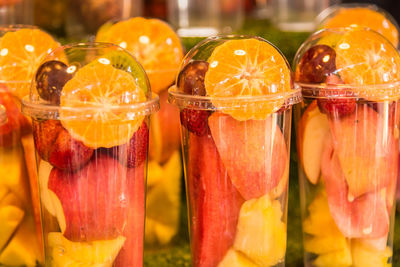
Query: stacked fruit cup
[[235, 123], [348, 146], [90, 105], [22, 48], [159, 50]]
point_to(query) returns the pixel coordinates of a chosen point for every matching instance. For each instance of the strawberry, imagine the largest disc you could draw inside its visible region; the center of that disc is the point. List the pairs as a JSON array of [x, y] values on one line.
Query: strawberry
[[196, 121], [134, 152]]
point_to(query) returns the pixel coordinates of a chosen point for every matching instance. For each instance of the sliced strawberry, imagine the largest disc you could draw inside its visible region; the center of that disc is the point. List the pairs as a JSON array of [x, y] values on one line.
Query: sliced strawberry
[[214, 203], [196, 121]]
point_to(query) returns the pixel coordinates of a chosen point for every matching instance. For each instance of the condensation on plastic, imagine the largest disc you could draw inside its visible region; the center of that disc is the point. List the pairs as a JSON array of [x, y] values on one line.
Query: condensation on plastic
[[3, 115]]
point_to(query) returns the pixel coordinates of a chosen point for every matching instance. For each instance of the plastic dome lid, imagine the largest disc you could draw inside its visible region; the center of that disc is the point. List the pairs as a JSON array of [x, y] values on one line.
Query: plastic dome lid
[[88, 80], [244, 76], [357, 61], [363, 15]]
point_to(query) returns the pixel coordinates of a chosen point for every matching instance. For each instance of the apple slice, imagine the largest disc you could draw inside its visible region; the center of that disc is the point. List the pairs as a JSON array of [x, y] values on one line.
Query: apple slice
[[313, 130], [253, 152], [364, 216], [366, 149], [213, 200]]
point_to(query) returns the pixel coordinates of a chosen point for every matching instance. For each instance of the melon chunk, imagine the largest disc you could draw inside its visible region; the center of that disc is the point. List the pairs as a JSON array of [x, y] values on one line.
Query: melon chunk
[[10, 218]]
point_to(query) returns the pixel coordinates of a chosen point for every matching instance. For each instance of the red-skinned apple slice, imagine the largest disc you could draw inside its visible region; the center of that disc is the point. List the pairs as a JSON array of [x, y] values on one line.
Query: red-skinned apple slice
[[253, 152], [214, 203], [366, 149], [313, 131], [363, 217]]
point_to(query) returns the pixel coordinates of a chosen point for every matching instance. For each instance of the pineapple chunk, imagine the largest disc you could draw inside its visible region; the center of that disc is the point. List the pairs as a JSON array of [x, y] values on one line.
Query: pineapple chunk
[[88, 254], [236, 259], [10, 218], [367, 256], [324, 244], [163, 202], [261, 235], [341, 258], [23, 249], [3, 192]]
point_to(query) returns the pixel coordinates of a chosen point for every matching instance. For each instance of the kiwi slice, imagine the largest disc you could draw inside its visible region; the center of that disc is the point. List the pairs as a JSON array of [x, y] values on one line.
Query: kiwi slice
[[121, 60]]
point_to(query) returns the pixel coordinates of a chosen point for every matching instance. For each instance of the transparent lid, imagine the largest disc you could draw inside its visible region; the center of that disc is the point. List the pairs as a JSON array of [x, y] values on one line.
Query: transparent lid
[[364, 15], [88, 80], [3, 115], [22, 48], [352, 62], [235, 74]]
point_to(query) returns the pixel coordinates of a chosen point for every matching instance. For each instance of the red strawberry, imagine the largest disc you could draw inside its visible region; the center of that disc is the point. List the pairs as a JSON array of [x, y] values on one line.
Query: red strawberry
[[334, 106], [196, 121], [134, 152]]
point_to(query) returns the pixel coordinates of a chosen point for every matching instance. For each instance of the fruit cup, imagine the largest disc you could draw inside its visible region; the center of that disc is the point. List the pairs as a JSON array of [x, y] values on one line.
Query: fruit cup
[[348, 146], [21, 50], [159, 50], [90, 106], [235, 126]]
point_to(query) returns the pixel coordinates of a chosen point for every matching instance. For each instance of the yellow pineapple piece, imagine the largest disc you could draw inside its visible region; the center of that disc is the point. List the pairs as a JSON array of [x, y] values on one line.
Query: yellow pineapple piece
[[23, 249], [10, 218], [163, 202], [234, 258], [261, 234], [341, 258], [324, 244], [89, 254], [154, 173], [367, 256], [11, 200], [3, 192]]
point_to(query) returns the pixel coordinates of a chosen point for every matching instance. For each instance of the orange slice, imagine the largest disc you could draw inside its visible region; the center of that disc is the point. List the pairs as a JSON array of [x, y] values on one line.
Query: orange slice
[[21, 53], [364, 17], [247, 68], [101, 87], [366, 58], [155, 45]]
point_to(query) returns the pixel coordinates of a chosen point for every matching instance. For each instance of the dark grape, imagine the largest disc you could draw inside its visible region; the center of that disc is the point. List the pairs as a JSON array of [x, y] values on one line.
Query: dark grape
[[316, 64], [191, 78], [50, 80]]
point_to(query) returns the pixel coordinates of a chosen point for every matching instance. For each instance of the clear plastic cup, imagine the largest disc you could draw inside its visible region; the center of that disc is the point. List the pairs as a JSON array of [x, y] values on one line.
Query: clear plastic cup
[[22, 49], [90, 105], [348, 146], [158, 48], [236, 150]]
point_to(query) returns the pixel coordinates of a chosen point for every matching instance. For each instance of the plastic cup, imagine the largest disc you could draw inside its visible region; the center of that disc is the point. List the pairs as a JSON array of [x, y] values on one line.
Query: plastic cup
[[348, 146], [236, 167], [90, 105]]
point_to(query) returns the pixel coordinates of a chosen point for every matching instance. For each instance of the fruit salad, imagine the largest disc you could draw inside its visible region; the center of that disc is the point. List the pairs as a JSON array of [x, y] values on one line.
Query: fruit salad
[[90, 106], [235, 96], [158, 49], [348, 146], [21, 50]]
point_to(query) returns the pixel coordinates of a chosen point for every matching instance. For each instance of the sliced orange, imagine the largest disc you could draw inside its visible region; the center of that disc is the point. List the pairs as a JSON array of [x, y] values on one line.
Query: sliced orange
[[364, 57], [364, 17], [100, 87], [153, 43], [247, 68], [21, 53]]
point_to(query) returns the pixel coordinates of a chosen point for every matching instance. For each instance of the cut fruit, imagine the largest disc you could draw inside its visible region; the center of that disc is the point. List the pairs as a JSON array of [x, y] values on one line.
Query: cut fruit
[[100, 86], [23, 249], [365, 58], [365, 256], [313, 130], [364, 17], [364, 216], [22, 51], [261, 233], [341, 258], [153, 43], [163, 203], [325, 244], [10, 218], [253, 152], [366, 149], [247, 68], [236, 259], [213, 200], [97, 253]]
